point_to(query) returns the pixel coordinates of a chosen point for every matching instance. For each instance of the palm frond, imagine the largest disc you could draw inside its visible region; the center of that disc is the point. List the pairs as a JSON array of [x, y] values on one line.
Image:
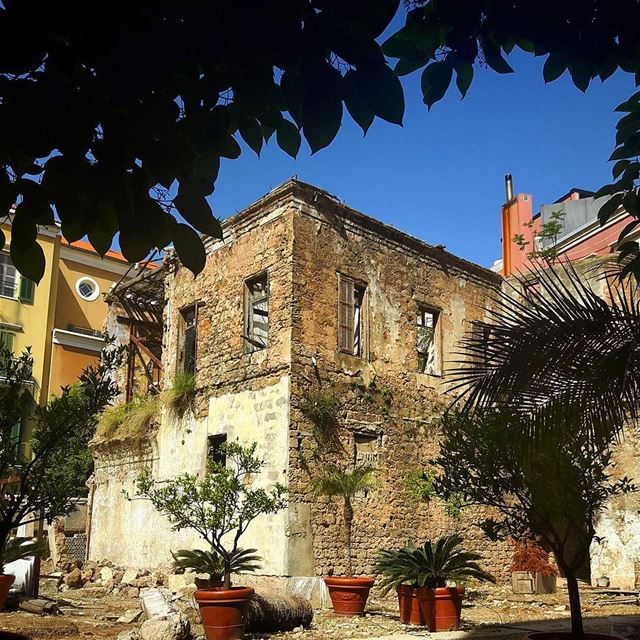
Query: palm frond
[[212, 563], [21, 548], [429, 565], [566, 355], [336, 482]]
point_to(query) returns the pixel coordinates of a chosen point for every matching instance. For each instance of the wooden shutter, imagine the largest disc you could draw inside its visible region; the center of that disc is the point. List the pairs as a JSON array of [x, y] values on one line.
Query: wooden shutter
[[27, 290], [345, 314], [6, 340]]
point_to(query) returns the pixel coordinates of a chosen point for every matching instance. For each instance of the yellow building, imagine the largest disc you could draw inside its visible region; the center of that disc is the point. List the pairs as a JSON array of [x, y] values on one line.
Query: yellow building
[[61, 318]]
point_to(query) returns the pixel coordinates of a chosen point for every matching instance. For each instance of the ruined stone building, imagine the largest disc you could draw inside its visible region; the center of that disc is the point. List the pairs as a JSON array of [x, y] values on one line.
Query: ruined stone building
[[304, 301]]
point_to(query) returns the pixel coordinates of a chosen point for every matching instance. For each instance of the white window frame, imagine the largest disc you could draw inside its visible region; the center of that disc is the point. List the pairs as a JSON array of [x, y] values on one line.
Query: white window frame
[[93, 283]]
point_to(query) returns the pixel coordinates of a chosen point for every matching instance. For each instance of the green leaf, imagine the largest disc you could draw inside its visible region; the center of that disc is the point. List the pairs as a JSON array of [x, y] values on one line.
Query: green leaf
[[632, 104], [381, 91], [189, 248], [26, 254], [251, 133], [464, 76], [619, 167], [628, 229], [401, 44], [609, 207], [627, 248], [405, 66], [356, 107], [288, 138], [580, 74], [554, 67], [494, 58], [226, 146], [104, 228], [196, 211], [435, 81]]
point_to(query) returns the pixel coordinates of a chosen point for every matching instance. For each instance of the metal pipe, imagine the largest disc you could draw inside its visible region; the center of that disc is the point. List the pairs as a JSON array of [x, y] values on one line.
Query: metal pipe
[[508, 185]]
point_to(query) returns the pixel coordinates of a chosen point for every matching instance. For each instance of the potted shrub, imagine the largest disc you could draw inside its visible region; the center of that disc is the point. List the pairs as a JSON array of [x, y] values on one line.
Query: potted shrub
[[531, 571], [420, 576], [348, 593], [219, 507]]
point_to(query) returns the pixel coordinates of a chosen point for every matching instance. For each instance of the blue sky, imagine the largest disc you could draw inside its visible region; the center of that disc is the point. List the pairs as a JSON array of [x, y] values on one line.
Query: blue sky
[[441, 176]]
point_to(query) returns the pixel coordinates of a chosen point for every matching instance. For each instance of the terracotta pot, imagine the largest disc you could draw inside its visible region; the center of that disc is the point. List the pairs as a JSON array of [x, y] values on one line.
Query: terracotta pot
[[409, 605], [441, 607], [5, 584], [224, 612], [349, 595], [567, 635]]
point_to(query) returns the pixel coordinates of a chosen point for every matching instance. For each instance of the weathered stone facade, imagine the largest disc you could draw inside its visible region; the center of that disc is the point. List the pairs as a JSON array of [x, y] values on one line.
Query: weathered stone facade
[[307, 243]]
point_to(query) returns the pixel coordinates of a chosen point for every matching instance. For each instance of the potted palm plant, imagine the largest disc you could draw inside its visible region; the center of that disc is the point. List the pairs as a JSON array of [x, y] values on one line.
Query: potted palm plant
[[420, 576], [219, 507], [348, 593]]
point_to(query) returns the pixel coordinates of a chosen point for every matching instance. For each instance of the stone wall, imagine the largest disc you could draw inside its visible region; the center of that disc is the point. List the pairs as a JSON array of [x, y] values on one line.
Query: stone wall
[[389, 412]]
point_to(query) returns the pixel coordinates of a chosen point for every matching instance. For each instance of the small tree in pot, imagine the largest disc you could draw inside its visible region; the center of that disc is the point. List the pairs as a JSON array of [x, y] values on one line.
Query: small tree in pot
[[420, 576], [219, 507], [552, 486], [40, 478], [531, 571], [348, 594]]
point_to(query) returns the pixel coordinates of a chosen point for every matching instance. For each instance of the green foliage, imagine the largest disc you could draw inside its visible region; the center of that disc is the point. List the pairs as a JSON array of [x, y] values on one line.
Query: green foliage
[[20, 548], [552, 486], [219, 506], [430, 565], [421, 487], [104, 133], [180, 396], [130, 421], [375, 395], [46, 483], [544, 239], [345, 484], [212, 563], [321, 408]]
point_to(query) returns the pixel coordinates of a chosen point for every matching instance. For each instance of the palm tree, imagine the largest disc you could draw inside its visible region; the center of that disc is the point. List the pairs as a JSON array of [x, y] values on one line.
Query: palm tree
[[563, 360], [346, 485], [561, 354]]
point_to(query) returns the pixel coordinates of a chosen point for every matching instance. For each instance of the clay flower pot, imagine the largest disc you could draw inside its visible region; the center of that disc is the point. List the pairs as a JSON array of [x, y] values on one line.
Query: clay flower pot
[[5, 584], [409, 605], [441, 607], [349, 595], [224, 612]]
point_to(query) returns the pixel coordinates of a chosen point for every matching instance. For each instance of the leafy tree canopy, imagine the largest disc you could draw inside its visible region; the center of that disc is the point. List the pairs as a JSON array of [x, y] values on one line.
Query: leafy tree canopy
[[103, 119]]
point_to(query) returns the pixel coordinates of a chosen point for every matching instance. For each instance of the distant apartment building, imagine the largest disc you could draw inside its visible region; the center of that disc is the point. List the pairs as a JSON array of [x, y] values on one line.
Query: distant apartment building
[[62, 318], [582, 236]]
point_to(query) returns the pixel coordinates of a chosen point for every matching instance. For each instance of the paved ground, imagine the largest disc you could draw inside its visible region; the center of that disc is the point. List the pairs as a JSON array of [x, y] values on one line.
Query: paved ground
[[490, 613]]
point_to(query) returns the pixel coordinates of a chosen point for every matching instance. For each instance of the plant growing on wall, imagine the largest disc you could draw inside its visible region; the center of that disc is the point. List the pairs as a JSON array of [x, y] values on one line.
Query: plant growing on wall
[[128, 421], [544, 239], [220, 505], [321, 408], [41, 478], [179, 397], [552, 486]]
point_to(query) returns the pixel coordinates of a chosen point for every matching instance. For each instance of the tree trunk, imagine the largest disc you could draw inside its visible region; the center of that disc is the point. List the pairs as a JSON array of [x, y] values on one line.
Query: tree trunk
[[227, 574], [348, 523], [273, 612], [577, 629]]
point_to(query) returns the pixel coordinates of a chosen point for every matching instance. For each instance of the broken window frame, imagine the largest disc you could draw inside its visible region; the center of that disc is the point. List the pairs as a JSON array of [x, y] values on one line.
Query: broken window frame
[[254, 341], [214, 443], [187, 335], [425, 358], [352, 317]]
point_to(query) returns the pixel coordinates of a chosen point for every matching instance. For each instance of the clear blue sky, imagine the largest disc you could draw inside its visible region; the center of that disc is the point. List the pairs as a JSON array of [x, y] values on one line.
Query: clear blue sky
[[441, 176]]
